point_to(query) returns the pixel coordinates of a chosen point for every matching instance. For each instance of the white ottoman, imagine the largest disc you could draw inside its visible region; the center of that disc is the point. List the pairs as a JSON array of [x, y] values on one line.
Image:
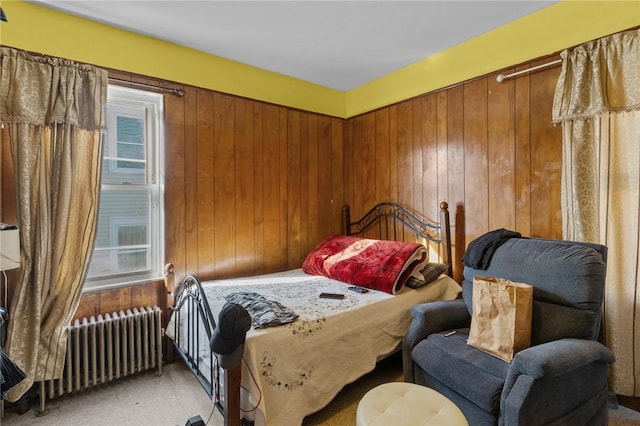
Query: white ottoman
[[407, 404]]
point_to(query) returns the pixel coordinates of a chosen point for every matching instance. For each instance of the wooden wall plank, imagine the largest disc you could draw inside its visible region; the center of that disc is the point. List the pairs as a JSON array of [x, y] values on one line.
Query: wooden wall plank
[[348, 176], [293, 189], [501, 153], [368, 152], [382, 166], [283, 160], [189, 185], [405, 148], [258, 188], [546, 157], [393, 152], [441, 146], [313, 181], [324, 174], [244, 191], [337, 137], [417, 144], [456, 176], [522, 153], [145, 296], [205, 166], [175, 194], [429, 152], [89, 306], [442, 179], [271, 184], [116, 300], [224, 184], [476, 185], [304, 188], [354, 167]]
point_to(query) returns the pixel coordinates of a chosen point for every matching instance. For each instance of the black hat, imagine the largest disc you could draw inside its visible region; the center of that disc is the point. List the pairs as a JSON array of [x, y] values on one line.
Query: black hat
[[233, 323]]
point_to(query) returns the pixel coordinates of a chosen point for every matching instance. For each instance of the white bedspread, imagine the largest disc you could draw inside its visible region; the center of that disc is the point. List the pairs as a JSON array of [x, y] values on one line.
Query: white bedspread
[[293, 370]]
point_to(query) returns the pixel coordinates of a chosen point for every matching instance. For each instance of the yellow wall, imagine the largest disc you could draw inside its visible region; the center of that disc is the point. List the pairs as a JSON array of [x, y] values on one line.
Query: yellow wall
[[554, 28]]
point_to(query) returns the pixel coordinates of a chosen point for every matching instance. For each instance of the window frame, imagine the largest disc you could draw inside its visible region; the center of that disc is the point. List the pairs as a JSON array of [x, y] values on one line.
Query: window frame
[[153, 104]]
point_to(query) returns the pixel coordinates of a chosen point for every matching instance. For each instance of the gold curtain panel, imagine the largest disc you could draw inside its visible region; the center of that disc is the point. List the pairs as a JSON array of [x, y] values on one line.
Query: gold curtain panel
[[595, 80]]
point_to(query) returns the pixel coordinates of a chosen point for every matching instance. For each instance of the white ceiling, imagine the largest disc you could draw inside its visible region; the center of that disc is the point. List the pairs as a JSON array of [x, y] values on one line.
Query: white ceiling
[[336, 44]]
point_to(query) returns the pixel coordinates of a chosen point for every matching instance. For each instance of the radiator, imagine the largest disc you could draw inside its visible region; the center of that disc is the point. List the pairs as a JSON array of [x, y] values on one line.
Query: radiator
[[106, 349]]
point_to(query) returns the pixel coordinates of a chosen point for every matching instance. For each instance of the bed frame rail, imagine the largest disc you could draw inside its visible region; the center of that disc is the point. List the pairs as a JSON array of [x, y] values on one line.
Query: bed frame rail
[[191, 301], [197, 318]]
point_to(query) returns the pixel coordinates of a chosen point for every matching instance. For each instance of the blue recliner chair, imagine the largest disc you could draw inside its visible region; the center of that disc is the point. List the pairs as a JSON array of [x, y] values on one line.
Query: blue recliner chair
[[560, 380]]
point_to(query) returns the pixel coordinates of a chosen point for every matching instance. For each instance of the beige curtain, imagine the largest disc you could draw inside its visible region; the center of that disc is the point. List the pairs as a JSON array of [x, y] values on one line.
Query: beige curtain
[[54, 111], [597, 100]]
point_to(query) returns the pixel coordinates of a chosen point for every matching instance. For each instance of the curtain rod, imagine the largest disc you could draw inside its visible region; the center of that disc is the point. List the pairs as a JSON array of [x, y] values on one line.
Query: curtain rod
[[178, 92], [500, 78]]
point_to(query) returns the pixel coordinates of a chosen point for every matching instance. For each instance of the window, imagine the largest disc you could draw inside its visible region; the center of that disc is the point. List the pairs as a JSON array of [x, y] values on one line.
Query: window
[[130, 239]]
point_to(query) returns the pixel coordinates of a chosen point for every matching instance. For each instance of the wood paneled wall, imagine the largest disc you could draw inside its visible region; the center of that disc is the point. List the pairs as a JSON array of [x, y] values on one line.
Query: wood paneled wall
[[251, 187], [489, 149]]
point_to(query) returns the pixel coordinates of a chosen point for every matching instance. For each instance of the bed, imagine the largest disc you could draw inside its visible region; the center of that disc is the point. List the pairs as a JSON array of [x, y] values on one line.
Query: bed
[[292, 370]]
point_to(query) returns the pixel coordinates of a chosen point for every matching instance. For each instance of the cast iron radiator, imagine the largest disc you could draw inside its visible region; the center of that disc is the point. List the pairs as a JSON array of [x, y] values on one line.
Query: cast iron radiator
[[106, 349]]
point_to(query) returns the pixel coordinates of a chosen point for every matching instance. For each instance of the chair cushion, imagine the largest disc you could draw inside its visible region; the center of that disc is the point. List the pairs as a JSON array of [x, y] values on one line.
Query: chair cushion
[[476, 375], [568, 279]]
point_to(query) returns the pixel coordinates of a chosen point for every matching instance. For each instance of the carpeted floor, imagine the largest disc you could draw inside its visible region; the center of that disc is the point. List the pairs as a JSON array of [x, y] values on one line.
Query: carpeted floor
[[176, 396]]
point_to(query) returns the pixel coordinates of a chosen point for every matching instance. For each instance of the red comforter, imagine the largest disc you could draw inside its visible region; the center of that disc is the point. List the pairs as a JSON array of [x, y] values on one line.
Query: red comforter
[[375, 264]]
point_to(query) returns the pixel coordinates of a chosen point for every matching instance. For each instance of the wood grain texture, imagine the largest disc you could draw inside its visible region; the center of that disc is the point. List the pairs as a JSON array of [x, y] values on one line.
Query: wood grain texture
[[546, 157], [488, 149], [178, 128], [251, 187], [332, 224], [477, 162], [501, 153], [185, 189], [293, 188], [258, 189], [244, 186], [206, 171], [405, 145], [224, 208], [522, 128]]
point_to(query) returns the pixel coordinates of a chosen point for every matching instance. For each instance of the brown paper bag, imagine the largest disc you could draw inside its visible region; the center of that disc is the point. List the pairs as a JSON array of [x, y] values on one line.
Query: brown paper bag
[[501, 319]]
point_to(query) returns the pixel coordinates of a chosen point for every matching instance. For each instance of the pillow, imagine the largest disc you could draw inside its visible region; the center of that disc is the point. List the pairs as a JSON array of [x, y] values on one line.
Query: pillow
[[430, 272]]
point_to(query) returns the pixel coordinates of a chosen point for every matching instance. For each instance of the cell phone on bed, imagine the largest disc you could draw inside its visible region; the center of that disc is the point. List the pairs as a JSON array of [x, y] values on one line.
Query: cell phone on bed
[[357, 289], [331, 296]]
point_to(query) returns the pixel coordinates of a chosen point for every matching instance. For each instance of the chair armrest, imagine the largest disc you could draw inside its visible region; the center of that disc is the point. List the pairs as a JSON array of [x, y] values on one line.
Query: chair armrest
[[433, 317], [559, 357], [574, 371], [428, 318]]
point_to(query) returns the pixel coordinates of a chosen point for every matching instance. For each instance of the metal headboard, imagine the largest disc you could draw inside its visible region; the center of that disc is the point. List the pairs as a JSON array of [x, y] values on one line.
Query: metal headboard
[[383, 222]]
